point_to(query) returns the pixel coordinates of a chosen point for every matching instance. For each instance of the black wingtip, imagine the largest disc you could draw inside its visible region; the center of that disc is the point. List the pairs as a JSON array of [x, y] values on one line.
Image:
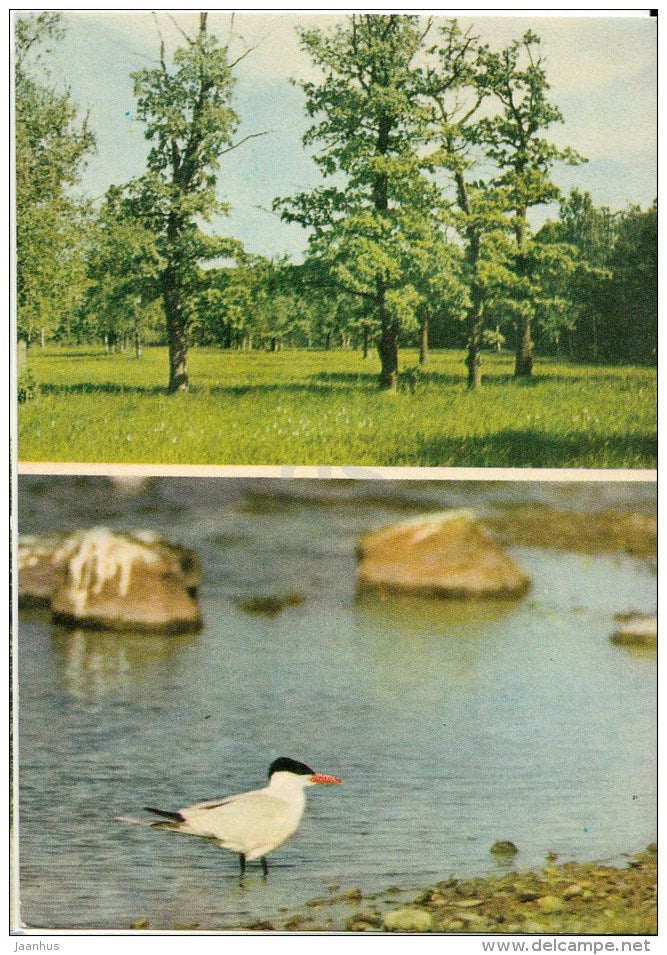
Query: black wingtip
[[176, 816]]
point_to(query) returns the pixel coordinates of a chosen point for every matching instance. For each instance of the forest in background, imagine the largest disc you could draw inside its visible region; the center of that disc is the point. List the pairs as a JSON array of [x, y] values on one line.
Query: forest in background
[[432, 148]]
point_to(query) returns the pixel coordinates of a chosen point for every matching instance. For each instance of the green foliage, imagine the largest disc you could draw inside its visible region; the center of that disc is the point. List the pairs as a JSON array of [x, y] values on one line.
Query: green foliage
[[515, 140], [315, 407], [51, 147], [190, 123], [123, 268], [610, 289], [432, 151], [373, 224], [630, 326], [26, 386], [493, 338]]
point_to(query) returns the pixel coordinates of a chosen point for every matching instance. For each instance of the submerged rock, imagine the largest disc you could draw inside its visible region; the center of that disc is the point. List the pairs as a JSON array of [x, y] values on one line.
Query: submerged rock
[[448, 554], [272, 604], [599, 532], [115, 581], [638, 631], [503, 848]]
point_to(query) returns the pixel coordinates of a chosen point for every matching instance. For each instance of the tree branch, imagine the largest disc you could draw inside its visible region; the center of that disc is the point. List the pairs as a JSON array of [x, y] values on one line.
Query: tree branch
[[181, 30], [243, 55], [161, 38], [244, 140]]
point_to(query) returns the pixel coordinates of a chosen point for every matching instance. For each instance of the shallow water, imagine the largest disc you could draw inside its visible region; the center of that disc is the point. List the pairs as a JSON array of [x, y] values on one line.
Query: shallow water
[[453, 724]]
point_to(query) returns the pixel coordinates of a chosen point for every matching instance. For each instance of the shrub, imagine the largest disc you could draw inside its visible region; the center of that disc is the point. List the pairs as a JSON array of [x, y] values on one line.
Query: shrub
[[26, 387]]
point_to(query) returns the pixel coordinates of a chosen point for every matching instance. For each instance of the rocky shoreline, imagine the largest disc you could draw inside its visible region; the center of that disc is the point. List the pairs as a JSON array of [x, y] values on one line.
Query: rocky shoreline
[[580, 898]]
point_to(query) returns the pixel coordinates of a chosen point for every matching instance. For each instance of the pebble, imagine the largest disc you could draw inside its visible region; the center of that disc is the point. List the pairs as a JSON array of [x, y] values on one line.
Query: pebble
[[351, 895], [408, 920], [526, 895], [572, 891], [363, 921], [550, 903]]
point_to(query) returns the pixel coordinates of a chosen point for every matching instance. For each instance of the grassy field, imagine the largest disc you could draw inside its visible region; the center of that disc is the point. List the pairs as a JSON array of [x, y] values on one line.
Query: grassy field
[[300, 407]]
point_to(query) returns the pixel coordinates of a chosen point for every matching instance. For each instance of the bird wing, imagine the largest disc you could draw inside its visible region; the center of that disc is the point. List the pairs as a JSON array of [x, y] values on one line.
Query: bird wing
[[233, 805], [253, 819], [209, 804]]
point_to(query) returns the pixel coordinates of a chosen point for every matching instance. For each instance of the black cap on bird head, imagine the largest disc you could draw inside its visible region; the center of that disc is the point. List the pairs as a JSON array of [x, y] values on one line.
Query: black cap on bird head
[[286, 765]]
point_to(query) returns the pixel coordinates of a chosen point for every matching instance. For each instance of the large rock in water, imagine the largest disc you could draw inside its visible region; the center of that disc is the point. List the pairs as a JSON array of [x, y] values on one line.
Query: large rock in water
[[447, 554], [637, 631], [113, 581]]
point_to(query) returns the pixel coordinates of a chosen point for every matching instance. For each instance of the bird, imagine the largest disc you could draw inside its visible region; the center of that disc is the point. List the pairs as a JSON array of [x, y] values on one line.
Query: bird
[[251, 824]]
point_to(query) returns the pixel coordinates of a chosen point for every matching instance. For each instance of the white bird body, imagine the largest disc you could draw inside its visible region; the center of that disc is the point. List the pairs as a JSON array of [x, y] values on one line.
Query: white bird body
[[251, 824]]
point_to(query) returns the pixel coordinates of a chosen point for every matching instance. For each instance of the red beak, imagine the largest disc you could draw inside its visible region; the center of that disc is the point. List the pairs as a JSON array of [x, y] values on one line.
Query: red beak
[[325, 780]]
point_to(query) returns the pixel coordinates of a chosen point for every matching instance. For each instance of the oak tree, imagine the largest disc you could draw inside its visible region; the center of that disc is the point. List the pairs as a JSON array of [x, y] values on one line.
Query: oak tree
[[190, 123], [369, 122], [515, 140], [52, 142]]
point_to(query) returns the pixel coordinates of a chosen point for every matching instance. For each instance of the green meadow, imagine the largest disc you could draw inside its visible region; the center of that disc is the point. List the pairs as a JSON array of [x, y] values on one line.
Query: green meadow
[[323, 407]]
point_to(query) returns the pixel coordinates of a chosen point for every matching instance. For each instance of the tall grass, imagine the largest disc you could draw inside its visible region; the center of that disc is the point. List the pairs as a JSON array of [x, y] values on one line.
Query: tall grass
[[300, 407]]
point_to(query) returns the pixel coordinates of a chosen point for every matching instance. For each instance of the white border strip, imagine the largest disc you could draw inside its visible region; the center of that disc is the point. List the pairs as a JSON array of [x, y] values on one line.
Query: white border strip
[[331, 472]]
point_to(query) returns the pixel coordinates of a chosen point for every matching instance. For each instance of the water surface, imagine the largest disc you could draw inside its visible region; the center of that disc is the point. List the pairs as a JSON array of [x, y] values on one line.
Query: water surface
[[453, 724]]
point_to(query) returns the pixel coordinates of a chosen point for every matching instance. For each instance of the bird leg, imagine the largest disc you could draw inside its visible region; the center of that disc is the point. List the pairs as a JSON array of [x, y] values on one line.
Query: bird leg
[[242, 862], [265, 866]]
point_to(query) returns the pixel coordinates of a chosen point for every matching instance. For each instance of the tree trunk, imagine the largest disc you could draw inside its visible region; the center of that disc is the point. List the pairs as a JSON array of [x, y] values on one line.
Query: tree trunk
[[423, 336], [178, 351], [364, 344], [177, 333], [388, 351], [473, 359], [42, 338], [523, 367], [327, 341], [106, 344], [387, 345], [594, 339], [475, 321], [475, 316], [137, 343]]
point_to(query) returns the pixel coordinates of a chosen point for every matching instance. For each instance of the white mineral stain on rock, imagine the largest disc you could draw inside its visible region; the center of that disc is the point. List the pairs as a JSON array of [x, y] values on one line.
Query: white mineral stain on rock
[[118, 581]]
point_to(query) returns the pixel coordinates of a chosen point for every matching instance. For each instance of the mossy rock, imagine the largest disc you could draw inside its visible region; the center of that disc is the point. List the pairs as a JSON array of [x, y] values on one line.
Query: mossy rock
[[408, 920], [270, 605], [503, 847], [638, 631]]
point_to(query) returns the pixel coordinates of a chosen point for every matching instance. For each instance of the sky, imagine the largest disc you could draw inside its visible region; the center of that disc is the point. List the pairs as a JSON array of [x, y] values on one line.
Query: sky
[[602, 72]]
